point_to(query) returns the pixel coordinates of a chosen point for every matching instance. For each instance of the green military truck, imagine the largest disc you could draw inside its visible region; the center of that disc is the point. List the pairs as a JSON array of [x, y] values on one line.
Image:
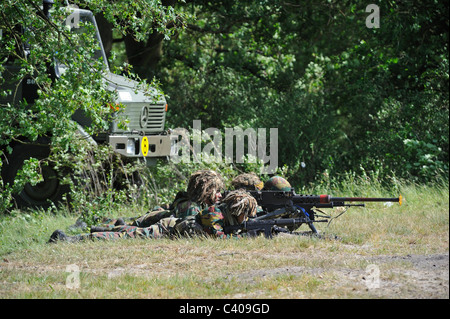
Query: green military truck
[[143, 136]]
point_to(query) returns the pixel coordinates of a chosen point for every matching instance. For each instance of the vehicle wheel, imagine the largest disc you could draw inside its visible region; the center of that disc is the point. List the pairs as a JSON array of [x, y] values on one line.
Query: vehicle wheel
[[43, 193]]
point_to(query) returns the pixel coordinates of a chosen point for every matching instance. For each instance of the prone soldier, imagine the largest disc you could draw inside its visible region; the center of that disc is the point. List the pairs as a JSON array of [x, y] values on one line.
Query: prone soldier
[[204, 189]]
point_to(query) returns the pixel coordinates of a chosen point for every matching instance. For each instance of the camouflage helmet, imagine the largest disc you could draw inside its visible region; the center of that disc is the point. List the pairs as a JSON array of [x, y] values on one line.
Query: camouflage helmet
[[203, 186], [277, 183], [248, 181], [240, 202]]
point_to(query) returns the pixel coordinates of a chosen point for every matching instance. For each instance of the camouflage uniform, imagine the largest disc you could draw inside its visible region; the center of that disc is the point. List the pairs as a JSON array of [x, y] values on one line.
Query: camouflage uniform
[[184, 206], [212, 221], [202, 188], [181, 208], [145, 220], [237, 206], [155, 224], [163, 228]]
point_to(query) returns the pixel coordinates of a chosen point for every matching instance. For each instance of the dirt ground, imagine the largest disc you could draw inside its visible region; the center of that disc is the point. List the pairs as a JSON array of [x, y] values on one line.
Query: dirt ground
[[428, 277], [377, 276], [411, 276]]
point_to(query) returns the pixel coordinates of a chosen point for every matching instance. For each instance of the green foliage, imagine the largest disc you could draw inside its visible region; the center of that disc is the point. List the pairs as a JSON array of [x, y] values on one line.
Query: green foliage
[[342, 95], [426, 155], [34, 46], [137, 17], [346, 99]]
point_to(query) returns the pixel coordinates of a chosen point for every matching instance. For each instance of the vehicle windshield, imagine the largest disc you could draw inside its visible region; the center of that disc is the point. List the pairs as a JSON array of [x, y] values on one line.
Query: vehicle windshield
[[82, 22]]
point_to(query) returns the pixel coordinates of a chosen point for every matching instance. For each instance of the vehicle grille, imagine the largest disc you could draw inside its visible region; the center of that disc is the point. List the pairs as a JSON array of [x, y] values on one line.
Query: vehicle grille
[[155, 118]]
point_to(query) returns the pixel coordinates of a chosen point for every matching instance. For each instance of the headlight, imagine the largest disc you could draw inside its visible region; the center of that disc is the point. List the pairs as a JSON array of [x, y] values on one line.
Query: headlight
[[131, 146]]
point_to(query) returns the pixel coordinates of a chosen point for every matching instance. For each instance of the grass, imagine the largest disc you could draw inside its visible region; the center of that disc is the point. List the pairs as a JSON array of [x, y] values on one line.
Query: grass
[[283, 267]]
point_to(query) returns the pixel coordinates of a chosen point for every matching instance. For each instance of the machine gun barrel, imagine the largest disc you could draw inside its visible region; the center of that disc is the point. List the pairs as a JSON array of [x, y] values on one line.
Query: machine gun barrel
[[275, 198], [327, 199]]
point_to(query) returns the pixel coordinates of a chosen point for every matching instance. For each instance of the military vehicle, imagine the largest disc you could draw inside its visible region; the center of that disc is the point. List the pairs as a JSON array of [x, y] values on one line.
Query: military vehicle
[[143, 137]]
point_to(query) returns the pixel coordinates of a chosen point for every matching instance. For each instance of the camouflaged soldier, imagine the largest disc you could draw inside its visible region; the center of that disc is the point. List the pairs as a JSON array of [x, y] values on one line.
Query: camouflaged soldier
[[235, 208], [169, 227], [204, 189], [247, 181]]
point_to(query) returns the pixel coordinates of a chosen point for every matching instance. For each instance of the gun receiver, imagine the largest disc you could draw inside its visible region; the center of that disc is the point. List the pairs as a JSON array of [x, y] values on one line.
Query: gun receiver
[[254, 227]]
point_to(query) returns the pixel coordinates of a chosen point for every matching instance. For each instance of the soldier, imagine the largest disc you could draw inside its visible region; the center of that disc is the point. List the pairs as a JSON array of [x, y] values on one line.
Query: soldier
[[204, 189], [235, 208], [250, 182]]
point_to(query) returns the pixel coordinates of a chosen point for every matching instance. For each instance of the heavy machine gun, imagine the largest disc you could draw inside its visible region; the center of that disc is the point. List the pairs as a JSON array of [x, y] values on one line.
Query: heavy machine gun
[[288, 210]]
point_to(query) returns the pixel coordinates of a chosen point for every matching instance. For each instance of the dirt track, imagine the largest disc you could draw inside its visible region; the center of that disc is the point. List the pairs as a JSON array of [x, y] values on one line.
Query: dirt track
[[427, 277], [411, 276]]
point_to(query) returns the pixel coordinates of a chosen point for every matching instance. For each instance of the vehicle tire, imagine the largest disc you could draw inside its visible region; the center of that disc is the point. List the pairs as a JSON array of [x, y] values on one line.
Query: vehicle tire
[[43, 193]]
